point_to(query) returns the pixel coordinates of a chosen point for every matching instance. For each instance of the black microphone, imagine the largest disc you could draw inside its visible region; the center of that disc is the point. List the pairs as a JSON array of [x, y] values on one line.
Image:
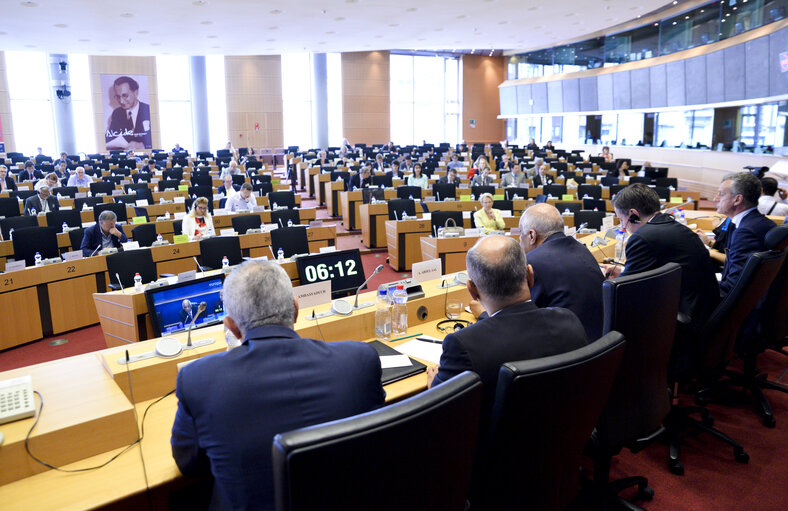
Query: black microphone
[[200, 310], [377, 270]]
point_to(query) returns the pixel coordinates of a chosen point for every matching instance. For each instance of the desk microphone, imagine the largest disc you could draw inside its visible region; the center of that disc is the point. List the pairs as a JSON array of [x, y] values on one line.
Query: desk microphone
[[281, 224], [120, 284], [678, 206], [377, 270], [200, 310], [94, 252], [198, 264]]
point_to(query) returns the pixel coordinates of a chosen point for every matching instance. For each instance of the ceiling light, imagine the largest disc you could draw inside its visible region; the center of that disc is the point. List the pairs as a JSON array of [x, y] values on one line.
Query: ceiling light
[[212, 36], [155, 44], [393, 24], [84, 40], [142, 31], [206, 22], [274, 27], [411, 9], [275, 11], [199, 2], [686, 17], [28, 4], [61, 25], [126, 15], [675, 2], [702, 11], [674, 22], [461, 17], [340, 18], [735, 8], [30, 46], [270, 40]]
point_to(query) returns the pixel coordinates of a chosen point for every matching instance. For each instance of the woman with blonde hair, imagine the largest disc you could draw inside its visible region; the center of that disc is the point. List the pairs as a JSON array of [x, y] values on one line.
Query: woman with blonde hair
[[488, 218], [197, 223]]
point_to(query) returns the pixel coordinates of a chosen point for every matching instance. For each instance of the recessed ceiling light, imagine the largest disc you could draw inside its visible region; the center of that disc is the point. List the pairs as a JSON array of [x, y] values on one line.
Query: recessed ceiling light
[[28, 4], [461, 17], [421, 39], [503, 22], [61, 25], [275, 11], [393, 24], [378, 36], [206, 22], [330, 32], [339, 18], [321, 42], [217, 46], [411, 9], [212, 36], [142, 31], [273, 27], [533, 8], [84, 40], [270, 40], [126, 15], [439, 29], [199, 2], [350, 1], [155, 44], [165, 53]]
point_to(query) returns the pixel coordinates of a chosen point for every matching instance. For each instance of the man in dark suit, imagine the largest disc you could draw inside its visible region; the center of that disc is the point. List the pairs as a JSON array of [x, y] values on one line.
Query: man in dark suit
[[565, 273], [129, 124], [30, 173], [516, 329], [43, 202], [7, 183], [542, 178], [104, 234], [395, 172], [228, 188], [275, 381], [450, 177], [362, 179]]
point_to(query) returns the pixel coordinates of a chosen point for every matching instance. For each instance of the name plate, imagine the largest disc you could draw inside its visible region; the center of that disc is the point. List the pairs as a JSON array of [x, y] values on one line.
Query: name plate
[[142, 202], [427, 270], [465, 214], [131, 245], [324, 250], [607, 223], [179, 199], [311, 295], [14, 266], [187, 276], [473, 232], [227, 232], [73, 255]]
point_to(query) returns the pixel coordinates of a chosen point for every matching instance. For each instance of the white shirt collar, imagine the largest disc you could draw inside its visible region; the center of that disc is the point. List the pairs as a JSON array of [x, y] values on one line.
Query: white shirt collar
[[738, 218]]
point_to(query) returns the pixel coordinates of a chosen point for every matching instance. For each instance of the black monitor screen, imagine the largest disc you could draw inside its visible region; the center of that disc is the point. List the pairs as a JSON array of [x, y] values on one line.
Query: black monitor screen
[[343, 268], [173, 307]]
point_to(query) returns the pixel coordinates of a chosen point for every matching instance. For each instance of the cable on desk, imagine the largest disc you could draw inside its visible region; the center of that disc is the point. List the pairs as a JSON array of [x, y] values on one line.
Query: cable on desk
[[322, 337]]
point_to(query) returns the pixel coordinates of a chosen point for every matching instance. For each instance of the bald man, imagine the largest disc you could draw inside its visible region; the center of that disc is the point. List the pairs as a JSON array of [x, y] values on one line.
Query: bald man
[[500, 278]]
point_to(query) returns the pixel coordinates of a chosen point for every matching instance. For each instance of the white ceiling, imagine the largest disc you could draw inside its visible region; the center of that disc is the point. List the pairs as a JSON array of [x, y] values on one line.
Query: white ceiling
[[249, 27]]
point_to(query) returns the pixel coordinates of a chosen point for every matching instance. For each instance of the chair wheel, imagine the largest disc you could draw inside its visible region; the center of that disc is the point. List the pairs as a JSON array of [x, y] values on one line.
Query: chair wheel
[[769, 421], [741, 455], [676, 467], [646, 493]]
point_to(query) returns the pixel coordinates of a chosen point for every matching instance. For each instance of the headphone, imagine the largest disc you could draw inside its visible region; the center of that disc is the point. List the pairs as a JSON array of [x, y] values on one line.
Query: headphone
[[459, 324], [633, 219]]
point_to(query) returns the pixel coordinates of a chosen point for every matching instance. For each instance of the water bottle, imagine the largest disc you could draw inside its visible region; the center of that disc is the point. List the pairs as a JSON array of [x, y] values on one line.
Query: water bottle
[[399, 311], [619, 255], [38, 259], [137, 283], [682, 218], [404, 215], [280, 255], [159, 239], [225, 265], [410, 197], [11, 235], [290, 222], [273, 206], [65, 227], [156, 189], [84, 206], [210, 232], [567, 212], [33, 212], [166, 215], [383, 315]]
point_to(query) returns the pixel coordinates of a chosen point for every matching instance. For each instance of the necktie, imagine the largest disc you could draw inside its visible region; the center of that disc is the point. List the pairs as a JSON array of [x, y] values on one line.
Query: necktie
[[131, 121]]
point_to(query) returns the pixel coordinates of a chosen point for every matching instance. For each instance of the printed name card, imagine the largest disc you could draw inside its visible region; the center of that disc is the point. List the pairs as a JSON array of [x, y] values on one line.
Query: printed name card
[[465, 198], [179, 215], [567, 196], [14, 266], [324, 250], [73, 255], [427, 270], [570, 231], [465, 214], [183, 188], [506, 213], [607, 223], [142, 202], [315, 223], [473, 232], [227, 232], [131, 245], [179, 199], [312, 295], [187, 275], [676, 200]]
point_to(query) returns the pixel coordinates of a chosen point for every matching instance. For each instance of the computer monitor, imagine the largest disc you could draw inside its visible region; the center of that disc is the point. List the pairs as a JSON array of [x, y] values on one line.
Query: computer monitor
[[172, 308], [343, 268]]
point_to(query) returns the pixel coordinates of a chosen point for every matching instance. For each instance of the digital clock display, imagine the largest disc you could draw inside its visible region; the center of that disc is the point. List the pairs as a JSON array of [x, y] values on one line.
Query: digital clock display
[[343, 268]]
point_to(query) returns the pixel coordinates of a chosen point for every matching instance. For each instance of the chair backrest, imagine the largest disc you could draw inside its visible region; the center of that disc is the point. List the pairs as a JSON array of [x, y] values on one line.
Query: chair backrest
[[243, 223], [663, 192], [126, 264], [201, 191], [9, 207], [642, 180], [130, 199], [382, 179], [144, 234], [118, 209], [261, 178], [557, 191], [292, 240], [65, 191], [667, 182], [510, 192], [71, 217], [281, 216], [212, 250], [643, 307], [592, 204], [281, 199], [177, 227], [397, 206], [609, 180], [406, 192], [75, 238], [90, 201], [201, 179], [23, 194], [503, 205], [614, 189], [102, 187], [592, 218], [238, 179], [168, 184], [443, 191], [478, 190], [593, 191], [439, 219], [774, 310], [722, 327], [543, 414], [263, 188], [16, 222], [573, 207], [172, 175], [447, 415], [144, 177], [29, 240]]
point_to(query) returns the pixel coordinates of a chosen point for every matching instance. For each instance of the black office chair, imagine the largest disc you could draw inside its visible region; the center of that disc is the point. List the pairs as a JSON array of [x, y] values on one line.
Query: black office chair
[[476, 191], [201, 191], [281, 199], [75, 238], [543, 414], [29, 240], [22, 194], [443, 191], [292, 240], [71, 217], [595, 204], [667, 182], [573, 207], [383, 179], [128, 199], [172, 175], [592, 191], [592, 218], [144, 234], [510, 192], [608, 180], [260, 178], [201, 179], [662, 191], [642, 307], [177, 227], [281, 216], [440, 219], [9, 207], [400, 434], [238, 179], [557, 191], [90, 201], [128, 263], [643, 180], [243, 223], [212, 250], [101, 187], [118, 209], [399, 206], [65, 191], [142, 177], [16, 222], [144, 193], [262, 188], [168, 184], [406, 192], [503, 205]]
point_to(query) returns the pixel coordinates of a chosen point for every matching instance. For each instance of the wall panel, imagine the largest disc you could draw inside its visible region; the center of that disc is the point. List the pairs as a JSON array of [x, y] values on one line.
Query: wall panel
[[524, 99], [481, 77], [756, 74], [5, 108], [659, 86], [571, 91], [715, 77], [366, 100], [604, 91], [733, 65], [589, 100], [695, 79], [555, 97], [674, 74], [778, 81], [539, 95], [640, 87], [622, 94], [508, 97], [254, 96]]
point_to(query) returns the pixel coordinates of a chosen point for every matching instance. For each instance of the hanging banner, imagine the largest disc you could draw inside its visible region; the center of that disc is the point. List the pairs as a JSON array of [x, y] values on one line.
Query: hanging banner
[[2, 142], [126, 111]]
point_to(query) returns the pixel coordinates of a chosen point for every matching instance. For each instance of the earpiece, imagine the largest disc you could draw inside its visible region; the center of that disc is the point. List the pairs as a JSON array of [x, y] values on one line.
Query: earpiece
[[633, 219]]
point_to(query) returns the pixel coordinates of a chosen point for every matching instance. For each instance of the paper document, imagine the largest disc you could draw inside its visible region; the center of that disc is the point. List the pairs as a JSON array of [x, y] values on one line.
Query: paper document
[[425, 351], [389, 361]]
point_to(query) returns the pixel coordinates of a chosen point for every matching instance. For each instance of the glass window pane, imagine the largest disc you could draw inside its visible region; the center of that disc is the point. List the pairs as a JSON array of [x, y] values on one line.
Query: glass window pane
[[673, 128], [637, 44], [31, 111], [630, 128], [172, 73], [702, 128], [175, 120], [401, 93], [82, 106], [609, 134], [217, 102], [175, 108], [297, 99]]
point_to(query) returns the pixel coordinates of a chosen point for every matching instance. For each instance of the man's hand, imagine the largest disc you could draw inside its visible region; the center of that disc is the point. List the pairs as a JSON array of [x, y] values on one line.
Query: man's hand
[[115, 232], [431, 372], [476, 308], [702, 235], [611, 270]]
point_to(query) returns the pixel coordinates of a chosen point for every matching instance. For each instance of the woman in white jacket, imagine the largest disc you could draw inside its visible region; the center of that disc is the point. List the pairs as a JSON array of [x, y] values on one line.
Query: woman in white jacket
[[198, 223]]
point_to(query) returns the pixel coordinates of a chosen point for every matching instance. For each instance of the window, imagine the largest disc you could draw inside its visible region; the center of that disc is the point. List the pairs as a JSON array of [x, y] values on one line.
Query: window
[[574, 130], [334, 91], [630, 128], [673, 129], [762, 125], [175, 102], [218, 133], [31, 110], [81, 103], [702, 128], [297, 100], [609, 134]]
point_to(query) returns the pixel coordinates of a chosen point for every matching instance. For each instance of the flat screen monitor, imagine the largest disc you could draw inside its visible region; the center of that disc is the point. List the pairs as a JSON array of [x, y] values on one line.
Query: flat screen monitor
[[172, 308], [343, 268]]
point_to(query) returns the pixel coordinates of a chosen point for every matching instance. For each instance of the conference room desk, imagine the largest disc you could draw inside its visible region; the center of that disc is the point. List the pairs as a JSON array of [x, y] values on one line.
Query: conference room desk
[[351, 203], [451, 251], [263, 201], [318, 181], [88, 415], [373, 224], [225, 221]]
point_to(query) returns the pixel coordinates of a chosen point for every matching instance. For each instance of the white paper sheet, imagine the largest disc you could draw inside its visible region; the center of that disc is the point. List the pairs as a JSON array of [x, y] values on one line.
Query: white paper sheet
[[425, 351], [389, 361]]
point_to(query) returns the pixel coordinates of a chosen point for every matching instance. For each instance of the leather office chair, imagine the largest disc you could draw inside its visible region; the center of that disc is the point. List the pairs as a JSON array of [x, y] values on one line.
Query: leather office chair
[[281, 216], [16, 222], [144, 234], [643, 180], [260, 178], [262, 188], [201, 191], [642, 307], [212, 250], [382, 179], [557, 191], [443, 191], [401, 436], [594, 204], [177, 227], [667, 182], [662, 191], [477, 191], [406, 192], [200, 179], [9, 207], [592, 218], [23, 194], [398, 206], [281, 199], [75, 238], [592, 191], [238, 179], [573, 207], [29, 240], [503, 205], [439, 219], [90, 201], [510, 192], [774, 329], [129, 199], [614, 189], [142, 177], [168, 184], [543, 414], [118, 209], [126, 264], [71, 217], [243, 223], [292, 240], [102, 187], [65, 191], [172, 175]]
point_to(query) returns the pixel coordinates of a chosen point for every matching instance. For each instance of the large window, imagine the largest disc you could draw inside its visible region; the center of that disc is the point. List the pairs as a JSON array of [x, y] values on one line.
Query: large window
[[297, 100], [762, 125], [425, 99], [334, 91], [81, 103], [630, 128], [175, 102], [218, 133], [31, 110]]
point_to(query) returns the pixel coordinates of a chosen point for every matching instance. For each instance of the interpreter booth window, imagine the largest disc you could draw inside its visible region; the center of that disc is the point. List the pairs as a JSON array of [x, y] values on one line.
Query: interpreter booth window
[[574, 130], [218, 133], [702, 128], [531, 127], [630, 128], [175, 102], [690, 29], [82, 103], [762, 125], [673, 129], [638, 44], [297, 100], [609, 131], [31, 109]]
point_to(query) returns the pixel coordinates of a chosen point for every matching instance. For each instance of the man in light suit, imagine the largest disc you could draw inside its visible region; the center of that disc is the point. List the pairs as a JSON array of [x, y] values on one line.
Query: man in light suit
[[514, 178], [129, 124], [275, 381], [44, 202]]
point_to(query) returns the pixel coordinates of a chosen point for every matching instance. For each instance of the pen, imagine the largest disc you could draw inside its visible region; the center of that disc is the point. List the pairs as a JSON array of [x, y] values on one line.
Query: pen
[[406, 337], [433, 341]]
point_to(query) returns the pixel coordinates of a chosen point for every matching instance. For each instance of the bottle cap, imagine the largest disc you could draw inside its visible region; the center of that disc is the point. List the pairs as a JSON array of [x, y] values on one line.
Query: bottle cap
[[400, 286]]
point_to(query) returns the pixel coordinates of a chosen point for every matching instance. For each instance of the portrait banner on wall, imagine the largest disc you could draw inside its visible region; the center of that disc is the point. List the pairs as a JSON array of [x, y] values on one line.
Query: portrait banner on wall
[[126, 111]]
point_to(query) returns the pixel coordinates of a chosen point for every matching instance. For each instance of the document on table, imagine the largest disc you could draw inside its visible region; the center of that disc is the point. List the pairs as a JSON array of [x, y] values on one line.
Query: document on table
[[388, 361], [427, 351]]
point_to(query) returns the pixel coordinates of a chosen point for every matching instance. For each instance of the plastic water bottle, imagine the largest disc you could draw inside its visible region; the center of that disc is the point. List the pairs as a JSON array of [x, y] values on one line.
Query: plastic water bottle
[[33, 211], [567, 212], [38, 259], [210, 231], [65, 227], [166, 215], [11, 235], [274, 206], [225, 265], [410, 197], [399, 311], [682, 218], [383, 315], [280, 255], [619, 255], [137, 283], [159, 239], [84, 206], [290, 222]]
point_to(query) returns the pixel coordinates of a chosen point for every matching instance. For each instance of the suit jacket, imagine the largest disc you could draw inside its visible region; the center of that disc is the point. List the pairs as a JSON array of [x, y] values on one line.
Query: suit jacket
[[91, 239], [398, 174], [274, 382], [10, 184], [538, 181], [357, 182], [664, 240], [223, 190], [34, 202], [510, 179], [478, 180], [747, 238], [518, 332], [27, 176], [119, 125], [445, 180], [567, 275]]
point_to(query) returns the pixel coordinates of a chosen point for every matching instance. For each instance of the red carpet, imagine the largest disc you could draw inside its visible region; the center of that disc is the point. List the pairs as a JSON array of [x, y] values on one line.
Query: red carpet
[[80, 341]]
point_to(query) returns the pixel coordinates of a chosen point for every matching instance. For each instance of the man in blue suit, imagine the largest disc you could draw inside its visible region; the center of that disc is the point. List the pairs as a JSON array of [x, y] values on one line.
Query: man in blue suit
[[737, 198], [104, 234], [129, 125], [230, 405]]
